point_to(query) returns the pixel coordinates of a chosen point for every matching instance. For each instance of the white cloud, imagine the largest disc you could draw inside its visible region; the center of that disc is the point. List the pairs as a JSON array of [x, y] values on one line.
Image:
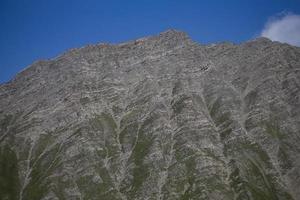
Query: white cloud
[[283, 29]]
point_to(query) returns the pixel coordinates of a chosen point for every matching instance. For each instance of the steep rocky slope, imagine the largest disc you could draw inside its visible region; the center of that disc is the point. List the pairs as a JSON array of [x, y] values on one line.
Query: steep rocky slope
[[156, 118]]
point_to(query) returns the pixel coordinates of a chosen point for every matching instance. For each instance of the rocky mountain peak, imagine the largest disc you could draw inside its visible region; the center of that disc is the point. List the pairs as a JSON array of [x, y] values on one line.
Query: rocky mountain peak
[[160, 117], [173, 33]]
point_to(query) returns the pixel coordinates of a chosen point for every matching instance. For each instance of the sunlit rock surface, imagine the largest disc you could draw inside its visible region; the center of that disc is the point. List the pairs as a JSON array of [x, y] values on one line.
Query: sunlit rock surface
[[159, 118]]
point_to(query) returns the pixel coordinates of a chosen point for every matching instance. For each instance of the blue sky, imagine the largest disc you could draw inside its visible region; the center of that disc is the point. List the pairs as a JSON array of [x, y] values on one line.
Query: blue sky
[[32, 30]]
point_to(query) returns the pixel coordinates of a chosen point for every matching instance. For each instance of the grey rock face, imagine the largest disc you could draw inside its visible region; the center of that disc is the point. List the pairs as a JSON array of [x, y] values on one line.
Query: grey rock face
[[156, 118]]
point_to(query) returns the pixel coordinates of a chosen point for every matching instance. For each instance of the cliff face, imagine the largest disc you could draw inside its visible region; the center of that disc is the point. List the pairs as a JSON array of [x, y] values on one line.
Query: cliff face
[[156, 118]]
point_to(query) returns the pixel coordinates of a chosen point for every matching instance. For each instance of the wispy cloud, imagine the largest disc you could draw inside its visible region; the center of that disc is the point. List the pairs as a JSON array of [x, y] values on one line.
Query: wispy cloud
[[283, 28]]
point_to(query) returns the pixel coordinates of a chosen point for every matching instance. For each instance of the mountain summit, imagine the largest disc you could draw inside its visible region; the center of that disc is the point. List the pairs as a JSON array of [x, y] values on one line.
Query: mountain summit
[[161, 117]]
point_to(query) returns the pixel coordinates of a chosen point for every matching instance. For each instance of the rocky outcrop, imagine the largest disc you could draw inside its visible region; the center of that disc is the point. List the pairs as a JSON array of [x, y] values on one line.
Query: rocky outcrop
[[161, 117]]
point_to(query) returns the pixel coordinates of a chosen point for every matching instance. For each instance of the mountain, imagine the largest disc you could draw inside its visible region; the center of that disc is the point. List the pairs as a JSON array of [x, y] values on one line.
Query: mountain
[[158, 118]]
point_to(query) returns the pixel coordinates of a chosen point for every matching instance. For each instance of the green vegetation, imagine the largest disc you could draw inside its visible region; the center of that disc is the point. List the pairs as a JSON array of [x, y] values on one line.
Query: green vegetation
[[45, 160], [251, 176], [7, 119], [59, 186], [191, 192], [141, 140], [221, 119], [103, 187], [272, 128], [210, 153], [214, 108], [189, 184], [9, 177], [128, 136], [178, 105], [238, 183], [108, 122], [5, 122], [97, 190], [42, 165], [141, 170], [284, 159]]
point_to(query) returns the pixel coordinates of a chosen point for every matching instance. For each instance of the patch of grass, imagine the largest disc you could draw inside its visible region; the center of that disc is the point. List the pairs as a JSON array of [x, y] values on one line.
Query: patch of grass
[[105, 188], [59, 186], [189, 193], [108, 122], [128, 136], [284, 159], [94, 191], [7, 124], [215, 108], [102, 187], [141, 170], [43, 165], [5, 121], [39, 147], [251, 175], [210, 153], [178, 105], [221, 119], [273, 129], [237, 183], [38, 186], [9, 175], [225, 133]]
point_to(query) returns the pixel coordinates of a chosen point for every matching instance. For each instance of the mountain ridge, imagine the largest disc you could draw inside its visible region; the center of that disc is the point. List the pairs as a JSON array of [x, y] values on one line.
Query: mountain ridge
[[104, 44], [161, 117]]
